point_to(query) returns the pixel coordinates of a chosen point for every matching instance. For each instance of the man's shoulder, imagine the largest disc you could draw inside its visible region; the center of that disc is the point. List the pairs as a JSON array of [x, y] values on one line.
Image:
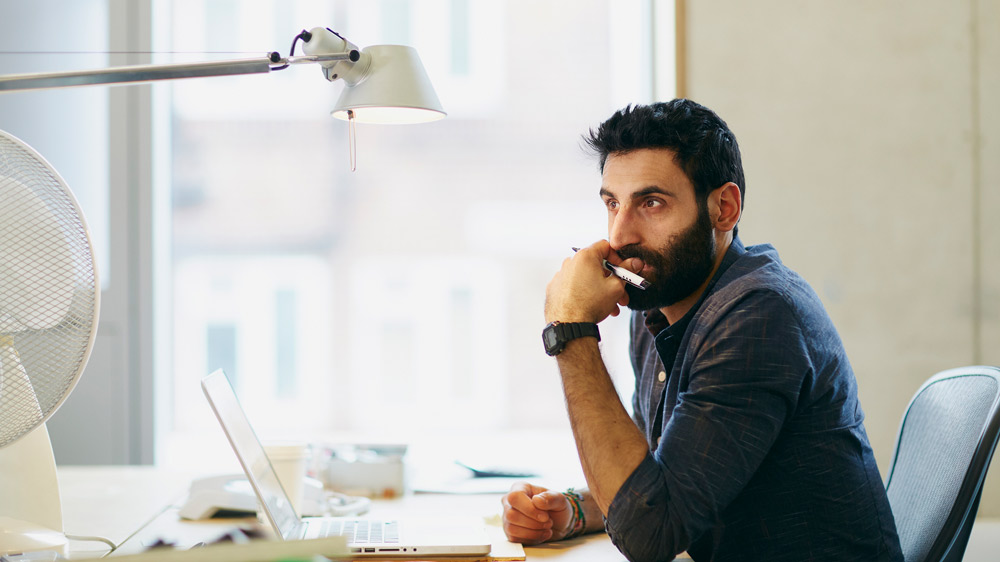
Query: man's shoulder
[[758, 277], [755, 265]]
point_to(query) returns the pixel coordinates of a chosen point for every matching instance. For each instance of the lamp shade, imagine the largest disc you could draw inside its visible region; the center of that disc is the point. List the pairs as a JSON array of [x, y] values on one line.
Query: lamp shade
[[395, 89]]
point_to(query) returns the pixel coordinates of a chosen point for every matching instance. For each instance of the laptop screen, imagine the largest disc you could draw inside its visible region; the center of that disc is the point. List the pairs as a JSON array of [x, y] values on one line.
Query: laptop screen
[[251, 453]]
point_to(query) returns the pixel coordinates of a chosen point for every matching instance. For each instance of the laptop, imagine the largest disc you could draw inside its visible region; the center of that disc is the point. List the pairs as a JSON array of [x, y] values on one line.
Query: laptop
[[365, 537]]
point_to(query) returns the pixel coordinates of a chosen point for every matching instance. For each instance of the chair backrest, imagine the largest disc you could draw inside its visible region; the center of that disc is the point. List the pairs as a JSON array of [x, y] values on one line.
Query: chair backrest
[[945, 444]]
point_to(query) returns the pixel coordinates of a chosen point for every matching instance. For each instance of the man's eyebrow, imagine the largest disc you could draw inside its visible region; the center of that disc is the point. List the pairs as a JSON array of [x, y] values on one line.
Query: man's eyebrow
[[649, 190]]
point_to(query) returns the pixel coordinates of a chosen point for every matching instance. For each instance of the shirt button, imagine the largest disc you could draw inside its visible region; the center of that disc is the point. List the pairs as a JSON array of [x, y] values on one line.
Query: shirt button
[[662, 376]]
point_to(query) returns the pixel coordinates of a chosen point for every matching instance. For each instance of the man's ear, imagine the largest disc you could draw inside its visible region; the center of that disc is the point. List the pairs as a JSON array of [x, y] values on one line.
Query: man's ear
[[725, 206]]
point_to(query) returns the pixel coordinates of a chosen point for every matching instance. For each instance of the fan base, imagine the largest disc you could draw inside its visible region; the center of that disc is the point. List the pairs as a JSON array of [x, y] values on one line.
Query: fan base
[[29, 486], [18, 536]]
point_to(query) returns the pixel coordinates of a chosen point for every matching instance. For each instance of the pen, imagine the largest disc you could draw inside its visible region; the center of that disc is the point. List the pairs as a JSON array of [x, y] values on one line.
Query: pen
[[624, 274]]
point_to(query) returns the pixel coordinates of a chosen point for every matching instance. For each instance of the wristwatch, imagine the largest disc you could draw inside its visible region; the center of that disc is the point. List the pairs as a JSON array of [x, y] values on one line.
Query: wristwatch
[[557, 334]]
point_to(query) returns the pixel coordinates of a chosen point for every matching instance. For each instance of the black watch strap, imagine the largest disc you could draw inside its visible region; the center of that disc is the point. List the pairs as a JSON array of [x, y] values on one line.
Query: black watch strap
[[573, 330]]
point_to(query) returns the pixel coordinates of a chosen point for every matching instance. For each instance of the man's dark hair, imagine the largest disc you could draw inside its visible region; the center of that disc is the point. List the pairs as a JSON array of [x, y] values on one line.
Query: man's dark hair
[[705, 148]]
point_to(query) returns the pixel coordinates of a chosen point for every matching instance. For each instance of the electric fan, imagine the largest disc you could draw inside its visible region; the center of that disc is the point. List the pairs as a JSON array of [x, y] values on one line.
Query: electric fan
[[49, 301]]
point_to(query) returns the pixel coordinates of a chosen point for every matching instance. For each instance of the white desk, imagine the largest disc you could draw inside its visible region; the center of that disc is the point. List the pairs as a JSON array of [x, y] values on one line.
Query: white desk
[[129, 504], [114, 502], [121, 502]]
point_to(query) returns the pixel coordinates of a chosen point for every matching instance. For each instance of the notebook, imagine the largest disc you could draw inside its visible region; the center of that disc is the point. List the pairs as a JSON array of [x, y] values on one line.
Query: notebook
[[365, 537]]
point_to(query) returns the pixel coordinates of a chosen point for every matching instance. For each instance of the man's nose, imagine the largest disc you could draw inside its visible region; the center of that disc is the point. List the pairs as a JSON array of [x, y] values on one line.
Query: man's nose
[[622, 230]]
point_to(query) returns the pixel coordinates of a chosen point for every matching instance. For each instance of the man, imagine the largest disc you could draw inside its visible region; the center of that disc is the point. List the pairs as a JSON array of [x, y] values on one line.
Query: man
[[747, 439]]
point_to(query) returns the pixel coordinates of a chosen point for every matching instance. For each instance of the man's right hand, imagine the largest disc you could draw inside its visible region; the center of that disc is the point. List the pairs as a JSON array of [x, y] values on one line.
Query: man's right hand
[[583, 290], [532, 514]]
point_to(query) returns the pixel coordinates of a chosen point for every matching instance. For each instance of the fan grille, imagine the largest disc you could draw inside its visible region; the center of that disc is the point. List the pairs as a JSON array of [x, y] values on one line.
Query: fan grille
[[48, 290]]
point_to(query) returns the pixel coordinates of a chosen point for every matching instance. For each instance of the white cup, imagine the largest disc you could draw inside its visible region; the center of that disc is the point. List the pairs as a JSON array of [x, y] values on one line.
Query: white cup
[[289, 462]]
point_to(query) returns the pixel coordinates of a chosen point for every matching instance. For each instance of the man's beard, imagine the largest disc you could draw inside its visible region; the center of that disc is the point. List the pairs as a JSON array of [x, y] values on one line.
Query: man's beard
[[678, 268]]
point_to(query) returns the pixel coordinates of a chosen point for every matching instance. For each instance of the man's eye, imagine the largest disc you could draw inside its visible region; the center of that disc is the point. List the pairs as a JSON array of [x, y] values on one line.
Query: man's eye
[[651, 203], [612, 204]]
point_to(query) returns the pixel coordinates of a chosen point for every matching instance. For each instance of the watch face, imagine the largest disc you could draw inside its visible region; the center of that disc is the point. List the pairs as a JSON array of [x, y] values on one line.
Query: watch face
[[549, 338]]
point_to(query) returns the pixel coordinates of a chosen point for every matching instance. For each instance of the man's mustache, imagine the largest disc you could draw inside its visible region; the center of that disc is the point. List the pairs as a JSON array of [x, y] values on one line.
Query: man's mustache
[[649, 257]]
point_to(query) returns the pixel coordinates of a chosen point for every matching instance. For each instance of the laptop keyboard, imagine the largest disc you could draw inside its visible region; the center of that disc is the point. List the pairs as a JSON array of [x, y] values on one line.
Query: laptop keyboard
[[356, 531]]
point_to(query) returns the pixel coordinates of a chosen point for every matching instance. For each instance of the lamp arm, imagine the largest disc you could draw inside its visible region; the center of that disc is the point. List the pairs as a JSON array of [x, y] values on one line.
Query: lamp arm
[[154, 72]]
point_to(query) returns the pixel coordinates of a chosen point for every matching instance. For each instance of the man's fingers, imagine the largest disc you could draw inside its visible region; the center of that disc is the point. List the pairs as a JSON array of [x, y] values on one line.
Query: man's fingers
[[522, 521], [524, 535], [519, 519], [634, 265], [521, 503], [550, 501]]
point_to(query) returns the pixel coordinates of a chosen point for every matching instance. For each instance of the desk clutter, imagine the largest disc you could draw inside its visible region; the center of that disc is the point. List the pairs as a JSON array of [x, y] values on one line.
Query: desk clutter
[[230, 496], [380, 472], [331, 481], [373, 471]]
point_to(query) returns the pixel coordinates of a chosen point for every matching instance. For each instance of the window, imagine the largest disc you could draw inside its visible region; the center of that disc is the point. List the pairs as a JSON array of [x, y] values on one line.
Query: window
[[404, 299]]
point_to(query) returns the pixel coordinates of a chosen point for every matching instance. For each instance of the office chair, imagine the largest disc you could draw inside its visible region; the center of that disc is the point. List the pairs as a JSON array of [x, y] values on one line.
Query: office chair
[[945, 444]]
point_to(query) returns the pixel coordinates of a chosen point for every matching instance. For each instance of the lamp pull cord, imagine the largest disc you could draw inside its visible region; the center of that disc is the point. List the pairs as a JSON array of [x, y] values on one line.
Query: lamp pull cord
[[352, 140]]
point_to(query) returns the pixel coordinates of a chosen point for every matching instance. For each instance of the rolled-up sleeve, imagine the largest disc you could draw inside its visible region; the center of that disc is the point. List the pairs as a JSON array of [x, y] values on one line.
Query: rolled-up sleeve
[[746, 371]]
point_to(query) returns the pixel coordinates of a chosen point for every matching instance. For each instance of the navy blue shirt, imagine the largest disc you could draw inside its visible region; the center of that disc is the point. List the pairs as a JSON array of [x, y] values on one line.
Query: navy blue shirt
[[757, 447]]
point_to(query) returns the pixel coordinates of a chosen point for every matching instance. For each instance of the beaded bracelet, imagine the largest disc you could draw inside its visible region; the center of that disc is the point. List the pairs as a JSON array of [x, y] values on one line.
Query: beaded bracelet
[[579, 520]]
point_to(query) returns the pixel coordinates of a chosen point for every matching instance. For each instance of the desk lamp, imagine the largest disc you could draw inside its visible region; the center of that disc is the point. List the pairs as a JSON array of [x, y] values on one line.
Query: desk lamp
[[49, 293], [384, 83]]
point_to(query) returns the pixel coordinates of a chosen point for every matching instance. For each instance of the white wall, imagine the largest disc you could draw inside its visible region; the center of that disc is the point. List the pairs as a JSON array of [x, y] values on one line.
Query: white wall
[[987, 177], [870, 136]]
